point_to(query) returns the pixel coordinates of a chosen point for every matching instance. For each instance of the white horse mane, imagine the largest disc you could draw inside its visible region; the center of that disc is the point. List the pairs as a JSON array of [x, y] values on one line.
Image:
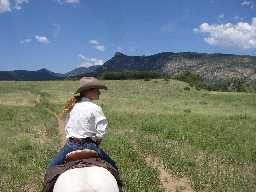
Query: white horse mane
[[87, 179]]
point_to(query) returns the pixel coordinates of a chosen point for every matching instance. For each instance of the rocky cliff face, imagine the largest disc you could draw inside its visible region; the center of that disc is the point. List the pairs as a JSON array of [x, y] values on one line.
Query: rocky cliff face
[[208, 66]]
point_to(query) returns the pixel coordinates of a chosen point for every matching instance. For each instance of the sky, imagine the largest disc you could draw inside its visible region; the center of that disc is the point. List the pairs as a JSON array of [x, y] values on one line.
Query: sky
[[61, 35]]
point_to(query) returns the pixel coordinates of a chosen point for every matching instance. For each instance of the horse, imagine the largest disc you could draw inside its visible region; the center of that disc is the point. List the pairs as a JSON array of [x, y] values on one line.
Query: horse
[[85, 179]]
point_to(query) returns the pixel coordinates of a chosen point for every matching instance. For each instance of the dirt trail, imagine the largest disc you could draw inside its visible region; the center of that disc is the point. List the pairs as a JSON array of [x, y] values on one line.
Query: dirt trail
[[170, 182]]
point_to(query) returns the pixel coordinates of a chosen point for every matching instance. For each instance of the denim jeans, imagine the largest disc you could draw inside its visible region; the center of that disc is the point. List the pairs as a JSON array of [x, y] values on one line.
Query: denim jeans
[[70, 146]]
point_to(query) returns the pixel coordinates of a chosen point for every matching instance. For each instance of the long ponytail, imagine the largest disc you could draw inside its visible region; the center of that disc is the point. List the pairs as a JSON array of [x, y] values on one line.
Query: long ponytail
[[70, 103]]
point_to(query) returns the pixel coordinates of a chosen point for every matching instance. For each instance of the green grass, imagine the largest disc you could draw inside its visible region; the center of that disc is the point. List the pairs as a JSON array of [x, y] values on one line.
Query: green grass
[[206, 137], [28, 137]]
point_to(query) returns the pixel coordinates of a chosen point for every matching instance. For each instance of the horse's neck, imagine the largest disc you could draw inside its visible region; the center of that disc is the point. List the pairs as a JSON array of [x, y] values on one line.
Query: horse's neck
[[87, 179]]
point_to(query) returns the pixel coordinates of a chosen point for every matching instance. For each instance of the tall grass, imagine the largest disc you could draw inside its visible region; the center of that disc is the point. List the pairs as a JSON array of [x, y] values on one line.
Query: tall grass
[[207, 137], [28, 137]]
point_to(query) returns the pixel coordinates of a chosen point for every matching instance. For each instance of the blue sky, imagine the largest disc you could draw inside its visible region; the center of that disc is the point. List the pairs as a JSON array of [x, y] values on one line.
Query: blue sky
[[61, 35]]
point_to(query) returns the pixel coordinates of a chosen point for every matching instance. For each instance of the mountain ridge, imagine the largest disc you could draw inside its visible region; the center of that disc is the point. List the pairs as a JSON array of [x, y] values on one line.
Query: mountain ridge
[[210, 66]]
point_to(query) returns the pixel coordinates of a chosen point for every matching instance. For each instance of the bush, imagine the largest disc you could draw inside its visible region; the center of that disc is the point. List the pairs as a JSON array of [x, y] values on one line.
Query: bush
[[251, 85], [232, 85], [187, 88], [193, 79]]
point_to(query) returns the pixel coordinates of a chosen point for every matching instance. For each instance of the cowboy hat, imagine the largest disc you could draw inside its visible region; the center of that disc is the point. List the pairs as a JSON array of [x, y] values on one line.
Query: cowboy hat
[[87, 83]]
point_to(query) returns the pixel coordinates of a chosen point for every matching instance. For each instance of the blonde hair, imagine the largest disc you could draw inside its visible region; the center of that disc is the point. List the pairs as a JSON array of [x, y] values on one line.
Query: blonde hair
[[69, 104]]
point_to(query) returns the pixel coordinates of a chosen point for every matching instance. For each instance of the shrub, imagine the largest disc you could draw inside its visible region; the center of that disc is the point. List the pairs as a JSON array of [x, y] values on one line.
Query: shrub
[[187, 88], [193, 79], [232, 85]]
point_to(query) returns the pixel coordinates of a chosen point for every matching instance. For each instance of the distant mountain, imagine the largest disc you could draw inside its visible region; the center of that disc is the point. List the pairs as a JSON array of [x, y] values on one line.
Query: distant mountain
[[45, 74], [95, 70], [23, 75], [122, 62], [208, 66]]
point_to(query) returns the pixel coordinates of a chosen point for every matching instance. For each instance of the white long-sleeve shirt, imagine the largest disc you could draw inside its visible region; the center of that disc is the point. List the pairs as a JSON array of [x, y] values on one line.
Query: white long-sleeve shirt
[[86, 119]]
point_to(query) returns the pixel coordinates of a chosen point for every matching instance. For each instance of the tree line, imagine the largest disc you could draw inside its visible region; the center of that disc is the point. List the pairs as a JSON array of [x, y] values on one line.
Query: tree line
[[193, 79]]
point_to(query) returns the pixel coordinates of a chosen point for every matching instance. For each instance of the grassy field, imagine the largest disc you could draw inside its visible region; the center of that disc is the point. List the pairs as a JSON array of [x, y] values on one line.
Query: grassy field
[[207, 139]]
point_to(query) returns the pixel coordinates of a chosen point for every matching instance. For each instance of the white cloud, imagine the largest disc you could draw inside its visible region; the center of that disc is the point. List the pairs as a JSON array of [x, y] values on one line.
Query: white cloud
[[248, 3], [221, 16], [100, 47], [42, 39], [5, 6], [245, 3], [18, 4], [95, 44], [28, 40], [72, 1], [235, 36], [119, 49], [87, 62], [81, 56]]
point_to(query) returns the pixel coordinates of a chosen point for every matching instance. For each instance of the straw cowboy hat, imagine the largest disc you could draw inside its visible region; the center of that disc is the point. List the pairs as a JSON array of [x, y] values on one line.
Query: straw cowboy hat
[[89, 83]]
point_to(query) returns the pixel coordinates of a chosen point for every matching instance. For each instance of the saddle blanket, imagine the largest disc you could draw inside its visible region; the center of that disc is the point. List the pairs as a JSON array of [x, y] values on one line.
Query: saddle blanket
[[52, 173]]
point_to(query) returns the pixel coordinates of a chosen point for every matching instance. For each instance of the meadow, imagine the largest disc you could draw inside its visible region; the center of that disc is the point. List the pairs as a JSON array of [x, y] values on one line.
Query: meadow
[[163, 134]]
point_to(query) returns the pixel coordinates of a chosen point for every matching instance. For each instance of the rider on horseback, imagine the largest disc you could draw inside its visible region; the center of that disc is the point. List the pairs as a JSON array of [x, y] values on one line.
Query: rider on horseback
[[85, 124]]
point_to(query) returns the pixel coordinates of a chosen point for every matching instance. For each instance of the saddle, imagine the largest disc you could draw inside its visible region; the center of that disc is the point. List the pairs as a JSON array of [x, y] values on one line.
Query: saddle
[[77, 159], [80, 154]]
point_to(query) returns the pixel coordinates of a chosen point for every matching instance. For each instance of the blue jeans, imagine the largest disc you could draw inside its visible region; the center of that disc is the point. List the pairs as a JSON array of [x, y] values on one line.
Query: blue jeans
[[70, 146]]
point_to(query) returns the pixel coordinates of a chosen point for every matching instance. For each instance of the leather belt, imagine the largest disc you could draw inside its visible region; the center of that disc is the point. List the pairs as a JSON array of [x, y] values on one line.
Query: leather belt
[[81, 140]]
